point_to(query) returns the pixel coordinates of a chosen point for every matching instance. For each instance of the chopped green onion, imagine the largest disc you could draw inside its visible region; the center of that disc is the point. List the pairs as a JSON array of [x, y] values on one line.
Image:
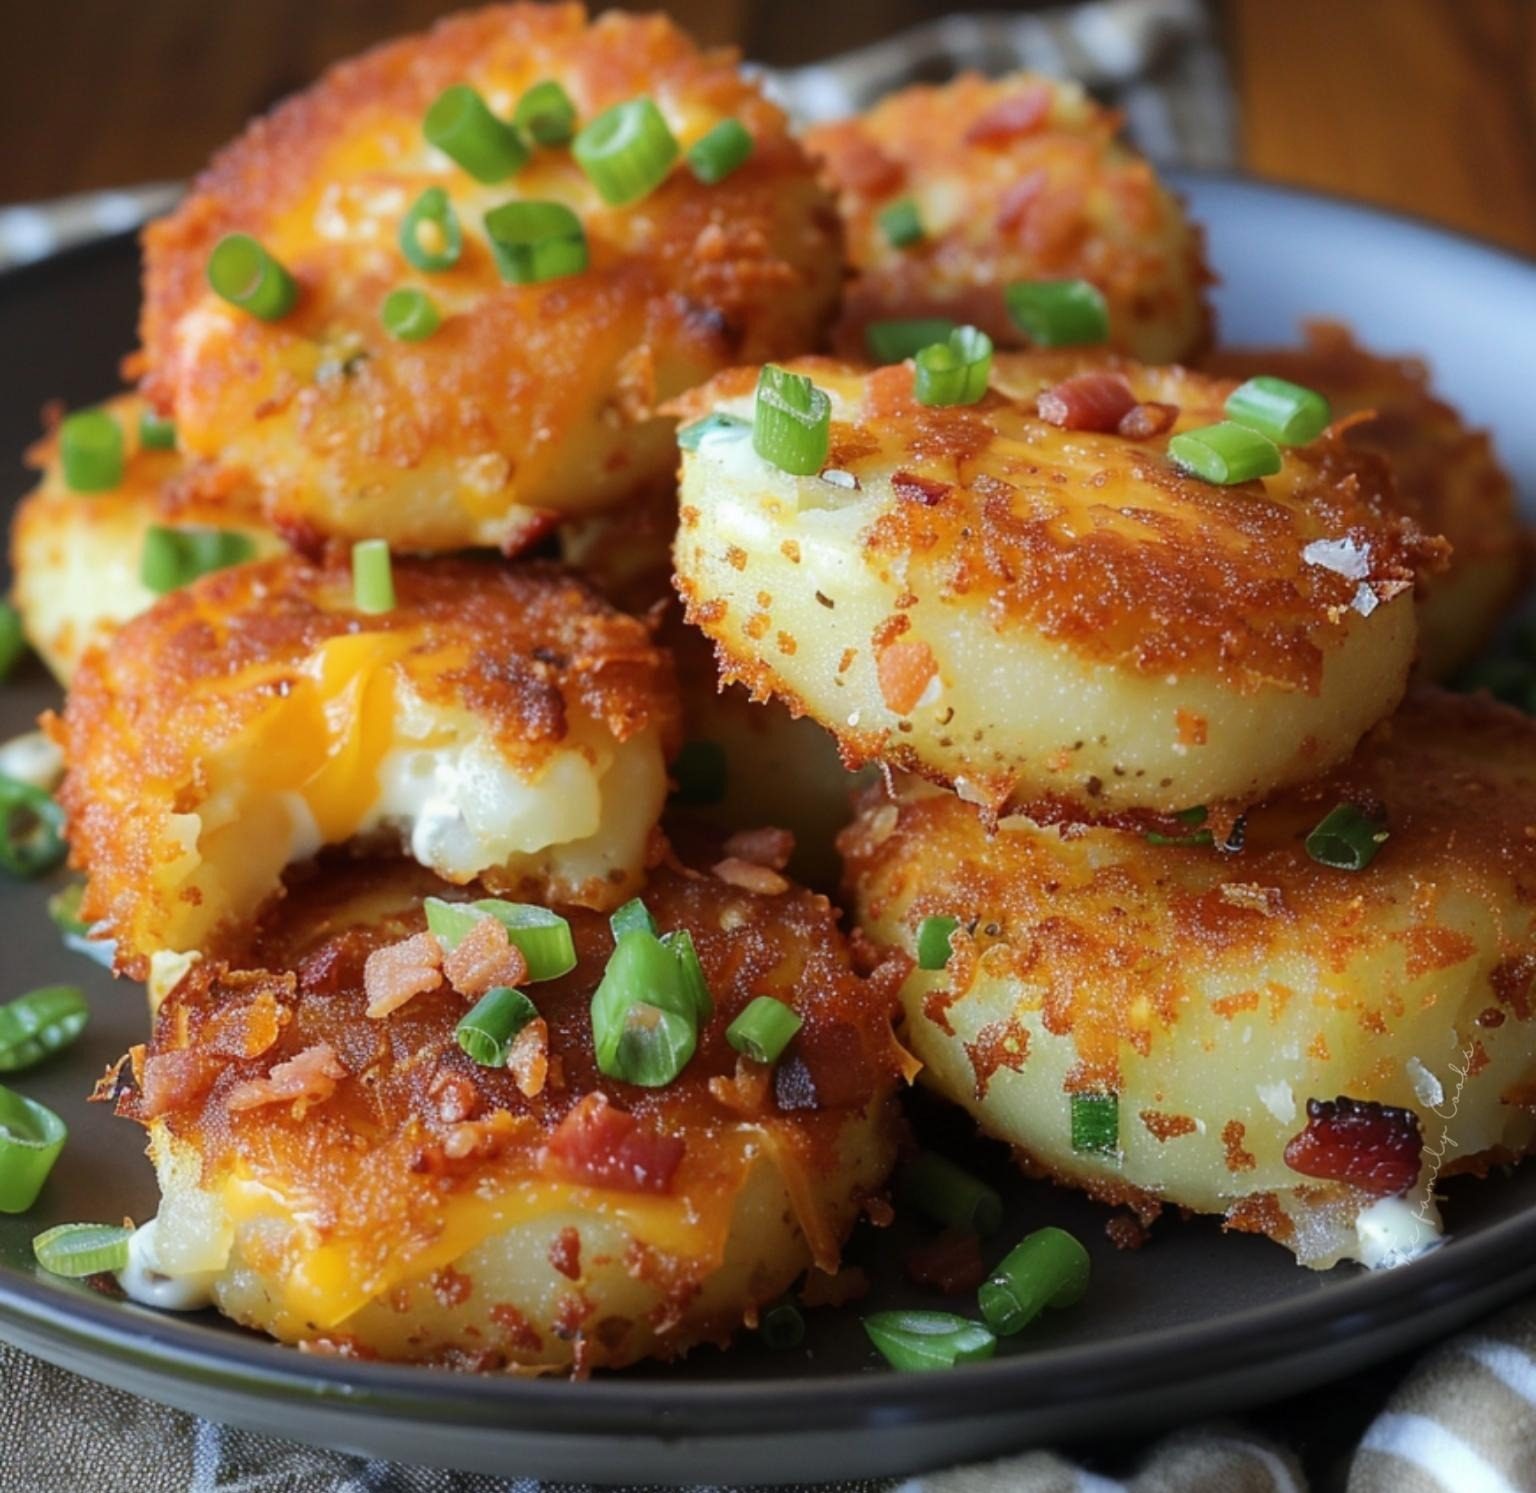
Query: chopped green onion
[[155, 433], [171, 558], [546, 113], [487, 1031], [1289, 414], [792, 422], [1050, 1268], [409, 314], [535, 241], [901, 224], [1096, 1123], [80, 1249], [541, 936], [31, 1137], [31, 830], [644, 1015], [245, 275], [782, 1326], [1346, 838], [949, 1194], [461, 125], [91, 451], [1059, 313], [627, 151], [917, 1341], [1192, 817], [700, 770], [933, 947], [40, 1023], [373, 577], [715, 155], [763, 1029], [13, 639], [956, 371], [430, 236], [691, 437], [64, 909], [1225, 453], [892, 341], [679, 943], [632, 915]]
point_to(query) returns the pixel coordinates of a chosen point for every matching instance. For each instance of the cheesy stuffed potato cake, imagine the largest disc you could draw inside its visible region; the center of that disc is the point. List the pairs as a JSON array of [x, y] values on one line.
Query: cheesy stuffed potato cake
[[1013, 179], [354, 1181], [1057, 619], [531, 398], [1447, 477], [77, 556], [500, 722], [1262, 1035]]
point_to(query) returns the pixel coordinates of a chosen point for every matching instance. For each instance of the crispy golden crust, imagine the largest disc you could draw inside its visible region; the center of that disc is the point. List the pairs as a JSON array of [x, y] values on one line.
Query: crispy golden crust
[[1447, 477], [1020, 178], [75, 556], [526, 651], [529, 398], [1094, 546], [1218, 993], [382, 1161]]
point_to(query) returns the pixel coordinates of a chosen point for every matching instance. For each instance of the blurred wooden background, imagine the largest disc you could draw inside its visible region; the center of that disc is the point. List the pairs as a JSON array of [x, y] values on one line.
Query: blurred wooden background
[[1424, 105]]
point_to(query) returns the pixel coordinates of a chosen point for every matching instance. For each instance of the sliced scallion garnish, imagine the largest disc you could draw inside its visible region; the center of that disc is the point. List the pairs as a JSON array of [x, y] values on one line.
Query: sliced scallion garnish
[[1096, 1123], [1059, 313], [40, 1023], [461, 125], [721, 151], [430, 236], [901, 223], [242, 272], [373, 577], [13, 639], [645, 1015], [916, 1341], [31, 1138], [170, 558], [486, 1032], [409, 314], [679, 943], [627, 151], [1288, 414], [792, 422], [80, 1249], [546, 113], [156, 433], [949, 1194], [541, 936], [632, 915], [91, 451], [31, 830], [933, 946], [955, 371], [1050, 1268], [1225, 453], [893, 341], [536, 241], [1346, 838], [763, 1029], [782, 1326]]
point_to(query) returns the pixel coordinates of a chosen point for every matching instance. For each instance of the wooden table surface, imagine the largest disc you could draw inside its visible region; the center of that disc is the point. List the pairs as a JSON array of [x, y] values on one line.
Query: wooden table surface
[[1424, 105]]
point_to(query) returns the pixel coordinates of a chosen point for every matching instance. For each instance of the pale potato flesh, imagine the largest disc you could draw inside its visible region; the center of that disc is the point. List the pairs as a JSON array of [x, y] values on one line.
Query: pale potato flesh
[[1216, 994]]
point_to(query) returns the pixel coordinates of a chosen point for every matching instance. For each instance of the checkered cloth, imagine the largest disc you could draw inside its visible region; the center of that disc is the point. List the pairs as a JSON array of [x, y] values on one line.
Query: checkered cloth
[[1463, 1419]]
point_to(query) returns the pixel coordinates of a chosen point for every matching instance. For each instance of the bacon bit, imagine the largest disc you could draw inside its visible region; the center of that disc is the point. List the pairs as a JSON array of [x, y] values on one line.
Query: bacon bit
[[917, 489], [1014, 206], [821, 1289], [998, 1045], [528, 1058], [247, 1029], [1375, 1147], [451, 1287], [483, 1138], [516, 1330], [1238, 1158], [750, 877], [1125, 1232], [455, 1095], [746, 1092], [308, 1079], [1021, 113], [1269, 901], [1147, 420], [565, 1253], [605, 1146], [1087, 401], [176, 1080], [485, 958], [904, 670], [865, 168], [115, 1084], [763, 847], [399, 971], [1165, 1128], [1193, 730], [951, 1264]]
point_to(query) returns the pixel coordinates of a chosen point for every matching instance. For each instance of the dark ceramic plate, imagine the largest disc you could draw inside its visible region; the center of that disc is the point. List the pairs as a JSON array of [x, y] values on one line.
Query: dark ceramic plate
[[1195, 1322]]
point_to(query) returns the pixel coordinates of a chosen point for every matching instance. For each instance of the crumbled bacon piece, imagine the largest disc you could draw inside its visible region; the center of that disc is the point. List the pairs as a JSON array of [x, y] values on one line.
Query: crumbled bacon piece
[[308, 1079], [604, 1146], [1375, 1147], [918, 489], [951, 1264], [750, 877], [904, 670], [528, 1058], [455, 1095], [1147, 420], [1010, 118], [1087, 401], [763, 847], [565, 1253], [483, 959], [176, 1080], [399, 971]]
